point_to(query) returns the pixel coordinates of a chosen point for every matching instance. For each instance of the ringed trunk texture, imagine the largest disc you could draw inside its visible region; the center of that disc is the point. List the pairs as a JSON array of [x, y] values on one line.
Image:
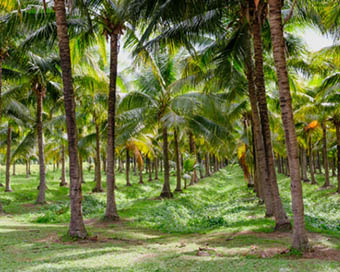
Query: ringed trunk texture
[[166, 192], [337, 128], [42, 185], [206, 163], [111, 207], [324, 154], [98, 175], [178, 164], [281, 218], [261, 167], [77, 227], [311, 161], [300, 239], [156, 168], [127, 168], [193, 152], [63, 168], [8, 159]]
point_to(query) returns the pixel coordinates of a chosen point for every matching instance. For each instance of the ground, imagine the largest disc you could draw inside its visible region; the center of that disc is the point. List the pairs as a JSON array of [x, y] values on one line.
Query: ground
[[216, 225]]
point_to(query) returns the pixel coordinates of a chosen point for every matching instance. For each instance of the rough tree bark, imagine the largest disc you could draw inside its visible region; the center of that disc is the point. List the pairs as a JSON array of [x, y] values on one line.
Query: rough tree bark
[[300, 239], [111, 207], [282, 222], [8, 159], [77, 227], [40, 92], [178, 164], [324, 154], [63, 168], [127, 167], [166, 192], [98, 176]]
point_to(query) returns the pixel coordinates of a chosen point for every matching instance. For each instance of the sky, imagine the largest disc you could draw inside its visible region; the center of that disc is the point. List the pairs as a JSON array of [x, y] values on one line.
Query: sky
[[315, 40]]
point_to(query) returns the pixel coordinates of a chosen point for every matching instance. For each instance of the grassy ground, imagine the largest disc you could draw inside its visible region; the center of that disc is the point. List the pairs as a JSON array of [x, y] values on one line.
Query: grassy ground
[[219, 215]]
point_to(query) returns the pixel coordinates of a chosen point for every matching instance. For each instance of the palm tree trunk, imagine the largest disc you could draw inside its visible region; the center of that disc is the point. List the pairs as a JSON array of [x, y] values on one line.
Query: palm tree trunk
[[178, 164], [311, 160], [127, 168], [98, 175], [81, 171], [199, 160], [104, 163], [166, 192], [42, 185], [13, 169], [111, 207], [324, 154], [281, 218], [192, 152], [77, 227], [149, 162], [27, 169], [206, 163], [8, 159], [304, 164], [262, 174], [337, 129], [134, 166], [333, 166], [156, 168], [63, 169], [300, 239]]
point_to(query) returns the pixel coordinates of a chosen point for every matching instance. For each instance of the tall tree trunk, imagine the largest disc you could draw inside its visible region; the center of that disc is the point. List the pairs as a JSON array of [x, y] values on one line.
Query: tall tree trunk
[[13, 169], [156, 168], [304, 164], [27, 169], [81, 171], [127, 167], [104, 163], [193, 153], [98, 175], [166, 192], [199, 160], [111, 207], [77, 227], [324, 154], [311, 160], [300, 239], [149, 163], [206, 163], [261, 167], [178, 164], [141, 176], [318, 162], [134, 166], [333, 166], [42, 185], [63, 168], [8, 159], [337, 128], [281, 218]]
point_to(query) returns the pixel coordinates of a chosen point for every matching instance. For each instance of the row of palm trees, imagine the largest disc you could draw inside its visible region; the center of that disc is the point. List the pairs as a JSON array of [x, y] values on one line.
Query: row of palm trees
[[196, 64]]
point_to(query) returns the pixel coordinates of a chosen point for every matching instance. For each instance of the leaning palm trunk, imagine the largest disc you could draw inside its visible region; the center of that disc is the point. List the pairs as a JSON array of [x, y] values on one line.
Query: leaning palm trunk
[[300, 240], [281, 218], [178, 164], [40, 92], [261, 172], [324, 154], [77, 227], [8, 159], [111, 208], [166, 192]]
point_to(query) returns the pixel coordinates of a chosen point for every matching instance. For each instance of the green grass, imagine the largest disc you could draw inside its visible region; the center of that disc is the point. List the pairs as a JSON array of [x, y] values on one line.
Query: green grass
[[219, 212]]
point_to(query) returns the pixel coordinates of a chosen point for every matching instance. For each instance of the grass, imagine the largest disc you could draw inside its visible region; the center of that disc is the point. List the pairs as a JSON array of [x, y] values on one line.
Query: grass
[[219, 214]]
